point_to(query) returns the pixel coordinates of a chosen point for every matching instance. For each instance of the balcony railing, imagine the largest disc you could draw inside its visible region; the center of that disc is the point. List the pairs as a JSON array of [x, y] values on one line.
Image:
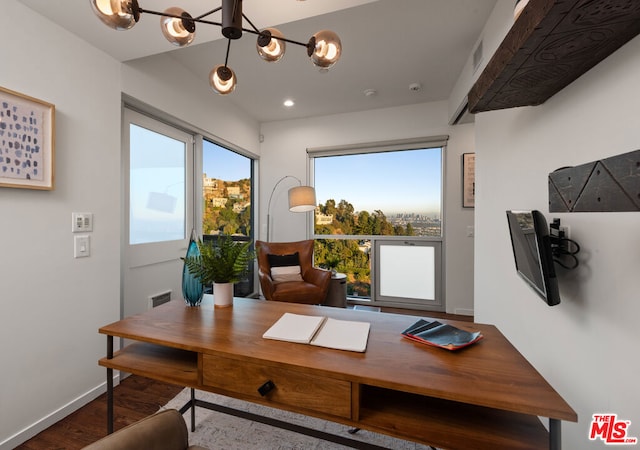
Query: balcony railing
[[387, 271]]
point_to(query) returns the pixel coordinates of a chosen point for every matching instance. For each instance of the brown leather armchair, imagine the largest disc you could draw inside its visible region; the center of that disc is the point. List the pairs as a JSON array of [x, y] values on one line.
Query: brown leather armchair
[[165, 430], [313, 286]]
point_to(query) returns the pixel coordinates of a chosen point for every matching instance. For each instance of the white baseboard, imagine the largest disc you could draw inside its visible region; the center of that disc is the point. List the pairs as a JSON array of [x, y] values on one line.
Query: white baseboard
[[57, 415]]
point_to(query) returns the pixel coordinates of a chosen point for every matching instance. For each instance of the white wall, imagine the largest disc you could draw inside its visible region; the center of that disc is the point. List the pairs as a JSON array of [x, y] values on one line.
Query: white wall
[[51, 305], [283, 152], [586, 346]]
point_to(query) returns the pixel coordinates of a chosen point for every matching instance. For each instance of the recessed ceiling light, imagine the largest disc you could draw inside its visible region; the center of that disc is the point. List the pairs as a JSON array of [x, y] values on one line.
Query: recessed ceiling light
[[288, 103]]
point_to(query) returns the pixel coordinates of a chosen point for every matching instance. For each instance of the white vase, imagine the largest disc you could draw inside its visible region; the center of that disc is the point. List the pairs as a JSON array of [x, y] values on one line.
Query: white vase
[[222, 295]]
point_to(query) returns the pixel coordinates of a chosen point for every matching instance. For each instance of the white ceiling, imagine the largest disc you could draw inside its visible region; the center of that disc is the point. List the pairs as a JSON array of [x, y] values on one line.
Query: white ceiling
[[387, 45]]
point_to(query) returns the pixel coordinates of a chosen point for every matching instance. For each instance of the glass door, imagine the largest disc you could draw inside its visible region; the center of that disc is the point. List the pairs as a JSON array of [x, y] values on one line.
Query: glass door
[[158, 209]]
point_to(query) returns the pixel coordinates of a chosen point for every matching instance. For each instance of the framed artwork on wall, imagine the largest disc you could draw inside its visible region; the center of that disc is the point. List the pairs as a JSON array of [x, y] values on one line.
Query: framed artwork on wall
[[27, 141], [468, 180]]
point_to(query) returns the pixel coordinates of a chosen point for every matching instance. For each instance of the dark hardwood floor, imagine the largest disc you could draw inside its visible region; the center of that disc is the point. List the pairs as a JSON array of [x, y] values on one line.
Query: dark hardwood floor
[[134, 398]]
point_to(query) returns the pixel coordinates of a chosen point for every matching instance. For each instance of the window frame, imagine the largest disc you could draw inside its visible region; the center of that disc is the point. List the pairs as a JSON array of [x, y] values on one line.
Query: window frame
[[142, 254], [131, 105], [439, 141]]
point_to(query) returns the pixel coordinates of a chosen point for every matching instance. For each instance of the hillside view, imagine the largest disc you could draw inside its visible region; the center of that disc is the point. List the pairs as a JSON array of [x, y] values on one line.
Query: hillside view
[[227, 211]]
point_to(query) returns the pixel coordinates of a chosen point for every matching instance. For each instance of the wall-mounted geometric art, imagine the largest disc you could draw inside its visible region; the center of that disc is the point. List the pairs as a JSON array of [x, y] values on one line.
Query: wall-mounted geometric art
[[27, 141], [606, 185]]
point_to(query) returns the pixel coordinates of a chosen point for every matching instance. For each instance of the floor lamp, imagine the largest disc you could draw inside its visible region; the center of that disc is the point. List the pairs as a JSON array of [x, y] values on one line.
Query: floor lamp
[[301, 199]]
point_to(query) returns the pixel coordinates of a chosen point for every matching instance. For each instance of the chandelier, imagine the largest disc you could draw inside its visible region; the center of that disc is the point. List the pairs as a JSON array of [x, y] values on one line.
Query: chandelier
[[179, 27]]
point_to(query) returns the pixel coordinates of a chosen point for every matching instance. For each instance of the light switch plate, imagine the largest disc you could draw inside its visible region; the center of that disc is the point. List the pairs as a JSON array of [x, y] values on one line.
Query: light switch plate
[[81, 222], [81, 246]]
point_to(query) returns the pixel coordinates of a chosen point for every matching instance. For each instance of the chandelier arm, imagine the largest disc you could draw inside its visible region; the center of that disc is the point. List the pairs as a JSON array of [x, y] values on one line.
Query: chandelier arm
[[219, 24], [208, 13], [208, 22], [226, 58], [157, 13], [250, 23], [291, 41], [175, 16]]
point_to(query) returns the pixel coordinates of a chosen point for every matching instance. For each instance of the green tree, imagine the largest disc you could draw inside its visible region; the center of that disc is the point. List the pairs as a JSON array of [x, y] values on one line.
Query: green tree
[[344, 216], [363, 223], [409, 230], [228, 220], [330, 207], [245, 221]]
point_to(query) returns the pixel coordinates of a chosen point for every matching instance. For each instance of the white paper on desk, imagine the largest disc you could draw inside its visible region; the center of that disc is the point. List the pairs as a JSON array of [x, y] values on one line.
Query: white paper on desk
[[343, 335], [294, 328]]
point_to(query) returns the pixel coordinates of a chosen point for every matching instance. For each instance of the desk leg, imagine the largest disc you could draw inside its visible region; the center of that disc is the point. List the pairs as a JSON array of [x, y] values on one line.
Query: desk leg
[[109, 401], [193, 410], [109, 387], [191, 404], [555, 435]]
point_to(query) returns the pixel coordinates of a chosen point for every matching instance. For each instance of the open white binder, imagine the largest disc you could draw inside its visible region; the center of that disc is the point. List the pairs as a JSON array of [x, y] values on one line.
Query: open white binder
[[321, 331]]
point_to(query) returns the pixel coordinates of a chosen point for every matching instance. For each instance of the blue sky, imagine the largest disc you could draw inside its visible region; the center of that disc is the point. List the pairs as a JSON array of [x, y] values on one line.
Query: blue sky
[[223, 164], [408, 181]]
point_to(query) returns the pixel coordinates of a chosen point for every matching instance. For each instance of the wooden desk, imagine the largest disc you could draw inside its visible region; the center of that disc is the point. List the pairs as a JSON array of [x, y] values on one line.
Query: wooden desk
[[486, 396]]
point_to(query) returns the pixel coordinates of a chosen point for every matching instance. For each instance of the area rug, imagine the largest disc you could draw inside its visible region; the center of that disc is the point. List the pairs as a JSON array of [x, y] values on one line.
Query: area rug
[[216, 430]]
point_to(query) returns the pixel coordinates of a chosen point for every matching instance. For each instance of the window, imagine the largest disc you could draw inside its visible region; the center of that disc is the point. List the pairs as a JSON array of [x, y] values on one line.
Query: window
[[176, 181], [226, 190], [158, 161], [380, 206], [227, 193], [157, 179]]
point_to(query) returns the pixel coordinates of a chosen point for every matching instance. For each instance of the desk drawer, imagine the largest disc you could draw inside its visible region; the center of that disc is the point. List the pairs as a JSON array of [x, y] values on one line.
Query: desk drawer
[[292, 388]]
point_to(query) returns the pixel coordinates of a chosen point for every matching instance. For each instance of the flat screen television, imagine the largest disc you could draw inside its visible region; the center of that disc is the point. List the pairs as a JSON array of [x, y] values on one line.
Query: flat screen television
[[532, 252]]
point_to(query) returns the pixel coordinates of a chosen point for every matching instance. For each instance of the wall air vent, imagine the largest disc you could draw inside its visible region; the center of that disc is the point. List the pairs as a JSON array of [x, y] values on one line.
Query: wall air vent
[[159, 299]]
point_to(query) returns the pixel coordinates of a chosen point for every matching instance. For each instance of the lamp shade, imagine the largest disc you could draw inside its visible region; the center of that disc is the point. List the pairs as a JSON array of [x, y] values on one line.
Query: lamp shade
[[117, 14], [269, 48], [325, 49], [179, 32], [222, 80], [302, 199]]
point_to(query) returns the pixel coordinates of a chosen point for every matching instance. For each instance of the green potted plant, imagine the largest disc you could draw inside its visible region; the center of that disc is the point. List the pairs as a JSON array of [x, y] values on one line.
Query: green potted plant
[[222, 262]]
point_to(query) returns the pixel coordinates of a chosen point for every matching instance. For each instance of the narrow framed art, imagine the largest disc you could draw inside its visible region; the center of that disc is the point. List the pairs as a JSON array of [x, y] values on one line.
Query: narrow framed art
[[27, 141], [468, 180]]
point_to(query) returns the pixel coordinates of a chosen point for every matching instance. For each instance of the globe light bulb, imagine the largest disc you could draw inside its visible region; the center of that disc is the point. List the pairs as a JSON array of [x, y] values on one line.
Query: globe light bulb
[[269, 48], [222, 80], [117, 14], [179, 32], [325, 49]]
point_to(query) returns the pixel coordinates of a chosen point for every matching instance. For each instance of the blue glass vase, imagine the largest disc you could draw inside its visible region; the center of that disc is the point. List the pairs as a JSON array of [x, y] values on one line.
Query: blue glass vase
[[192, 289]]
